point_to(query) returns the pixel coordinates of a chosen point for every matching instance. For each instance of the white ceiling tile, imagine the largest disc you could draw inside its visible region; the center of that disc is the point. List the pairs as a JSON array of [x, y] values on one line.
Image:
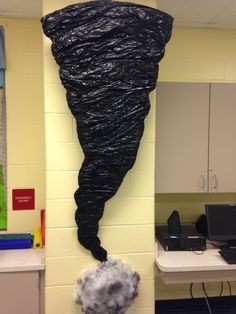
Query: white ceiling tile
[[227, 16], [198, 13], [24, 9], [187, 13]]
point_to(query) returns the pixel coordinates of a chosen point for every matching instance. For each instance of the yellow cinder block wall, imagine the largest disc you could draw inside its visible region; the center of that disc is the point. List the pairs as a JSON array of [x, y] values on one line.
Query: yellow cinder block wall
[[195, 55], [200, 55], [127, 227], [25, 118]]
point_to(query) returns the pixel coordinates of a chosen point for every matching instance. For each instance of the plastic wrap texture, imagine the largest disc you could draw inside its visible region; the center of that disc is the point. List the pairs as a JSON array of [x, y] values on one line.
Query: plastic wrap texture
[[108, 54]]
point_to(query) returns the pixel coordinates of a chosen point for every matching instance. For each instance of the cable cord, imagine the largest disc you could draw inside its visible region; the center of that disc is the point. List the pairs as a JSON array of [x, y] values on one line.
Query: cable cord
[[221, 288], [205, 295], [191, 289], [208, 305], [230, 290], [206, 298], [198, 252]]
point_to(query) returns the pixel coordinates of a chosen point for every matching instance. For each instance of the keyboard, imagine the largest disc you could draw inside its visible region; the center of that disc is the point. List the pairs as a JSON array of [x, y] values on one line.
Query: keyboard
[[228, 254]]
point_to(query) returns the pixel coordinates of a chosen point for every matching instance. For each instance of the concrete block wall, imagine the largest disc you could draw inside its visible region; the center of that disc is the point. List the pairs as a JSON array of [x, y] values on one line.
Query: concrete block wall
[[25, 118], [127, 228]]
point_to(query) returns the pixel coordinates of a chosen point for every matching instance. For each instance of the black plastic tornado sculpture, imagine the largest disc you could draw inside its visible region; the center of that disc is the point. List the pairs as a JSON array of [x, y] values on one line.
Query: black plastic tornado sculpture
[[108, 53]]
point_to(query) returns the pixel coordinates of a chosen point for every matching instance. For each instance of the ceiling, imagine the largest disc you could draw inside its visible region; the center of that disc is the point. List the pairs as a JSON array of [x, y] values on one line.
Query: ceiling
[[187, 13], [201, 13], [21, 9]]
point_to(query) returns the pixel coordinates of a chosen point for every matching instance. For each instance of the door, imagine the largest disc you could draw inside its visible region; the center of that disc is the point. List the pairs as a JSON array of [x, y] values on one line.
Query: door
[[182, 137], [222, 140]]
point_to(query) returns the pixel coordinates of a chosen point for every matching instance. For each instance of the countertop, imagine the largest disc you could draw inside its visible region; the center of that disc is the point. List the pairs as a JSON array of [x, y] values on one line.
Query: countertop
[[21, 260]]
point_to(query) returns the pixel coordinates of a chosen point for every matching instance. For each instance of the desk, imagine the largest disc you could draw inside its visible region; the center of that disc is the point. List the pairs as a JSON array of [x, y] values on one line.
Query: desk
[[187, 267]]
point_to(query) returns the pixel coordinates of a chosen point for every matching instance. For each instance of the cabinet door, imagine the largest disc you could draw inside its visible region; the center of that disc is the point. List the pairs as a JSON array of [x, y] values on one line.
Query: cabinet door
[[222, 141], [182, 137], [19, 293]]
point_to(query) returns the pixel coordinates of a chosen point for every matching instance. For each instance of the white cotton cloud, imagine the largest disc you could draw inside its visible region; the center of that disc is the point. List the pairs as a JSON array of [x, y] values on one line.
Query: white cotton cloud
[[109, 288]]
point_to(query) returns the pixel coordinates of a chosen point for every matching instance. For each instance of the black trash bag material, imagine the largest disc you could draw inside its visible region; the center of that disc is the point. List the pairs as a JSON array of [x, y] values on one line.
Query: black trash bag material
[[108, 53]]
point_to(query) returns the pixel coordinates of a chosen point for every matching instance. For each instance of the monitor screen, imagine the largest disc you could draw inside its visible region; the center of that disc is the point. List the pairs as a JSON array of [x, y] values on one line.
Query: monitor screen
[[221, 221]]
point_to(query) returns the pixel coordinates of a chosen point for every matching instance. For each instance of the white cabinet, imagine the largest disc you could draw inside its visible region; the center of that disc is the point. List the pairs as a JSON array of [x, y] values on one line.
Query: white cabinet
[[20, 292], [22, 281], [195, 146], [222, 138], [182, 137]]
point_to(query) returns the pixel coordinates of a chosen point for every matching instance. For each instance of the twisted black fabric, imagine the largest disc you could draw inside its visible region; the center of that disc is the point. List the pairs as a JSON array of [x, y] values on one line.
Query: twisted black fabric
[[108, 53]]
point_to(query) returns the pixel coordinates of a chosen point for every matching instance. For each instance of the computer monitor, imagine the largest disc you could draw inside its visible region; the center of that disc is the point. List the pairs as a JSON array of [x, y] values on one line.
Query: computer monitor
[[221, 222]]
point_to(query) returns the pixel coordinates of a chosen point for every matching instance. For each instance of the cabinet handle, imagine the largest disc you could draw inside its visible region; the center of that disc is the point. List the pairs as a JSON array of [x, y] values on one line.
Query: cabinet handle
[[214, 182], [202, 183]]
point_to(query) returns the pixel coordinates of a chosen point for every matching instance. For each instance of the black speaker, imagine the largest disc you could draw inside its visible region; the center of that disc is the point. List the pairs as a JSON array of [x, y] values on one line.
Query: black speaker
[[174, 226], [201, 225]]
